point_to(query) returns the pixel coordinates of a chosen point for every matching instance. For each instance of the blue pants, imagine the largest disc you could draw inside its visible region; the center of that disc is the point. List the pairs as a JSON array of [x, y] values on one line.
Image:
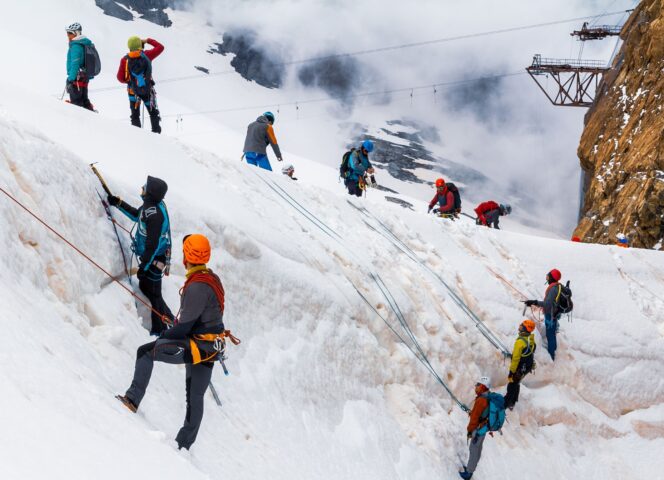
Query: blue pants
[[551, 329], [258, 159]]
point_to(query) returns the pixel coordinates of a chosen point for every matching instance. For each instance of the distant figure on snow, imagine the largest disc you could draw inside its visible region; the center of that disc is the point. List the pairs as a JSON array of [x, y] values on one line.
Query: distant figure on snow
[[260, 134], [487, 415], [135, 70], [355, 166], [523, 361], [447, 198], [289, 170], [152, 245], [196, 340], [77, 74], [551, 306], [489, 213]]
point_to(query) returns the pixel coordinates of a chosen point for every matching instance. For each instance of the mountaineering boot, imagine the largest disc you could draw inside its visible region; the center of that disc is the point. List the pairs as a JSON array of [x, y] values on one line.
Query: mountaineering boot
[[466, 475], [127, 403]]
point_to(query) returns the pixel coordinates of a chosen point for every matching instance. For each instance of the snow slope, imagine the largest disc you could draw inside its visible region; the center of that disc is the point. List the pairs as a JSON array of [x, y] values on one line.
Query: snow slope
[[320, 388]]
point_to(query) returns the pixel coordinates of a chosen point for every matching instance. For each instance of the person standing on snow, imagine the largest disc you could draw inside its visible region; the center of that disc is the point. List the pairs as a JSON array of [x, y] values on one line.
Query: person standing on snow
[[260, 134], [523, 361], [358, 166], [77, 78], [489, 213], [444, 198], [551, 315], [477, 426], [136, 71], [152, 246], [196, 340]]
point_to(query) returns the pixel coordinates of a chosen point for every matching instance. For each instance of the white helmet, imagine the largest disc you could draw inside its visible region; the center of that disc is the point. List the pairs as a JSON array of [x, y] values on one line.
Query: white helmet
[[74, 28], [486, 381], [287, 168]]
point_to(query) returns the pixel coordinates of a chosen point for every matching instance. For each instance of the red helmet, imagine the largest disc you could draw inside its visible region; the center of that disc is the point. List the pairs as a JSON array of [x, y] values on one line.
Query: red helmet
[[440, 182], [555, 274]]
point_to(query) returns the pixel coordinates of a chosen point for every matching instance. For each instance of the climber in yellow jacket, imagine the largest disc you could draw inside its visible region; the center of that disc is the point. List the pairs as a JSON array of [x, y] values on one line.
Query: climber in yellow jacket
[[523, 361]]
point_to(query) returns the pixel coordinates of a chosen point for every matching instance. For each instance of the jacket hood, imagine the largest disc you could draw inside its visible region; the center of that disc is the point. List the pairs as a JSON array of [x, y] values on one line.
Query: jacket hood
[[262, 119], [81, 40], [155, 189]]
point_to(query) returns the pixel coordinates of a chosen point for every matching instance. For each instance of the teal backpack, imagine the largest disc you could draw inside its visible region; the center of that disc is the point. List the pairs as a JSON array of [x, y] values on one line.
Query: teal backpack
[[494, 414]]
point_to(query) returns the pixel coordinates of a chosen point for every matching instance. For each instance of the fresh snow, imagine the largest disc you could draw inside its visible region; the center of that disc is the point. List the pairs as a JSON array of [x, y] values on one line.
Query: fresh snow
[[319, 388]]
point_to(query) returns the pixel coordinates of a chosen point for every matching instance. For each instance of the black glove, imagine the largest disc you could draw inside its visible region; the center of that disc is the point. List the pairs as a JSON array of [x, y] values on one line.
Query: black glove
[[113, 200], [509, 377], [530, 303], [469, 435], [69, 87], [142, 272]]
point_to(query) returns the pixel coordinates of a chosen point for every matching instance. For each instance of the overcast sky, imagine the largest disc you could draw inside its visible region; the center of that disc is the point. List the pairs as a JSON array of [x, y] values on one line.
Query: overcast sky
[[506, 128]]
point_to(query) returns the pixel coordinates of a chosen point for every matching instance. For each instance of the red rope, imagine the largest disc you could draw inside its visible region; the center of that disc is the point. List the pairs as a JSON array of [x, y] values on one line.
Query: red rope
[[507, 282], [164, 318]]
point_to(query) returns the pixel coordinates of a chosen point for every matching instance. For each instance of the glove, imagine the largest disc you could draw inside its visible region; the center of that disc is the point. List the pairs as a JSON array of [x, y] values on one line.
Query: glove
[[469, 435], [509, 377], [113, 200], [69, 87], [280, 159], [141, 270], [530, 303]]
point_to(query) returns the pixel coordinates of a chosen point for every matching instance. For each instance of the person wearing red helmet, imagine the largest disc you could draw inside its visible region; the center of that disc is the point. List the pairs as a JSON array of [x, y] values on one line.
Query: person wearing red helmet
[[444, 198], [551, 315], [523, 361], [196, 340]]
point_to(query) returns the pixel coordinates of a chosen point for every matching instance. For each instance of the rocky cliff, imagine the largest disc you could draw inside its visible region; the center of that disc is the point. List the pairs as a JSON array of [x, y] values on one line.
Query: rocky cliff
[[622, 146]]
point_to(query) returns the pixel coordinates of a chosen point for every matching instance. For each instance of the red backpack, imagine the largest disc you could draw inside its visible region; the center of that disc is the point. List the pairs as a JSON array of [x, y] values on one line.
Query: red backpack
[[484, 207]]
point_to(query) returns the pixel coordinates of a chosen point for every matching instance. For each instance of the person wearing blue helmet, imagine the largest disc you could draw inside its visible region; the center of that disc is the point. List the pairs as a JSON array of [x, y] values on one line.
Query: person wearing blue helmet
[[260, 134], [359, 166]]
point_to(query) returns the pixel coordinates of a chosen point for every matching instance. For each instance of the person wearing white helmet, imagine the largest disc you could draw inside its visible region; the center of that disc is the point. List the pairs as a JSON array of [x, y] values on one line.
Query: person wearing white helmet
[[476, 430], [289, 170], [77, 76]]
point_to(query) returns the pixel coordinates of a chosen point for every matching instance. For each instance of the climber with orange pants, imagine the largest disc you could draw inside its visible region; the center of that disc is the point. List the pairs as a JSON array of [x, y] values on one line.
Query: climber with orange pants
[[523, 361], [196, 340]]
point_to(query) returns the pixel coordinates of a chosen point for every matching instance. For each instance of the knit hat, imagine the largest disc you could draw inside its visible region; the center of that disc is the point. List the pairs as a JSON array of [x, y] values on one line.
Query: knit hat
[[134, 43]]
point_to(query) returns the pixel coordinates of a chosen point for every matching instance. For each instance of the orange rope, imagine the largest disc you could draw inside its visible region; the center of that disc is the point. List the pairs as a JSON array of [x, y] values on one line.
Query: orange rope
[[164, 318], [507, 282]]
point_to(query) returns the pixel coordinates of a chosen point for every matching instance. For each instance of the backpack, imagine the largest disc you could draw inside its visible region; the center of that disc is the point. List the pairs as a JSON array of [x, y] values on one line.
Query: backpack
[[345, 167], [91, 61], [486, 206], [139, 72], [457, 197], [564, 302], [494, 413]]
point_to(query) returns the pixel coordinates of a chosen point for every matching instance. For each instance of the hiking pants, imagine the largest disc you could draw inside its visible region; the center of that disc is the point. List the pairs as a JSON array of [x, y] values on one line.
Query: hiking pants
[[513, 388], [354, 187], [78, 95], [150, 285], [475, 452], [198, 377], [551, 330], [150, 105], [258, 159]]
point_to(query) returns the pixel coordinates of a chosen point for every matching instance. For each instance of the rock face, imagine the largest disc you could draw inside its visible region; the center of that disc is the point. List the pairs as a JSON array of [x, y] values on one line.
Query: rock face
[[622, 146], [150, 10]]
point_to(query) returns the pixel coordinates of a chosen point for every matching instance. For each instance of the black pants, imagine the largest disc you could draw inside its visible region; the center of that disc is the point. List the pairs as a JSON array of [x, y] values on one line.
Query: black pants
[[150, 105], [353, 187], [150, 285], [198, 377], [79, 96], [513, 388]]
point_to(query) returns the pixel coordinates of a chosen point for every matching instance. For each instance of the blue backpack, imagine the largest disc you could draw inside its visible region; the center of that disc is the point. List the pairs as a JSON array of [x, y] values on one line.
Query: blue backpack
[[139, 71], [494, 414]]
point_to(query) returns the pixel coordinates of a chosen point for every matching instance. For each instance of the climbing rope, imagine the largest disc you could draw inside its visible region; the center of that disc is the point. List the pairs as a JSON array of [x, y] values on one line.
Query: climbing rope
[[163, 317]]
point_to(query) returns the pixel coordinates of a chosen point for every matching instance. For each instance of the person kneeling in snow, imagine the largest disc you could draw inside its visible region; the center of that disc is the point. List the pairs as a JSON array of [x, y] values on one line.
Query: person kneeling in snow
[[489, 213], [196, 340], [523, 361]]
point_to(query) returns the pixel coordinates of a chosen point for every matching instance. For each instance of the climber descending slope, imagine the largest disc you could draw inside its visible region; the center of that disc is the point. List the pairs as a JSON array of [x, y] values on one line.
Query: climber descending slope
[[260, 134]]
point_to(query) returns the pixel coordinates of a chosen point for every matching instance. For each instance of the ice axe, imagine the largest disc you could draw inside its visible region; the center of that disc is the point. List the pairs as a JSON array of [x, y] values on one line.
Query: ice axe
[[101, 179]]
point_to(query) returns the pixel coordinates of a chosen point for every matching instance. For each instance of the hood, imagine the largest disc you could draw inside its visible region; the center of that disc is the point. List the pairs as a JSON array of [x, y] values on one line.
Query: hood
[[155, 189], [263, 119], [81, 40]]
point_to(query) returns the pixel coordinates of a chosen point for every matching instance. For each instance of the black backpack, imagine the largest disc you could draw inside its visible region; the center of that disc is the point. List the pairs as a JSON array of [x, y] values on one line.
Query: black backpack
[[457, 197], [139, 70], [344, 167], [564, 302], [91, 62]]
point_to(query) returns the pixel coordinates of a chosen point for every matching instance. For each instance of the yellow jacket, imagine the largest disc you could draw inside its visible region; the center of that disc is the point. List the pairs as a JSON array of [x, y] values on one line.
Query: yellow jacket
[[524, 346]]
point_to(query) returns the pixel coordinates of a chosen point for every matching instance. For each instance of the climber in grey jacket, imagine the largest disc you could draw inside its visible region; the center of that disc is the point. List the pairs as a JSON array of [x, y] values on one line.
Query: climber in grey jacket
[[260, 134]]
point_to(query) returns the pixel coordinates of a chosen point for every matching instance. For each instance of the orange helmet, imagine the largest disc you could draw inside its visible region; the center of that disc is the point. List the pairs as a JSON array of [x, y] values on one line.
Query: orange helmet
[[528, 326], [196, 249], [440, 183]]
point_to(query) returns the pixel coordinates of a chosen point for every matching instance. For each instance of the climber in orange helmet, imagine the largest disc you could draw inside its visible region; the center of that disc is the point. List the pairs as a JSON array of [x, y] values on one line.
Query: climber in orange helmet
[[523, 361]]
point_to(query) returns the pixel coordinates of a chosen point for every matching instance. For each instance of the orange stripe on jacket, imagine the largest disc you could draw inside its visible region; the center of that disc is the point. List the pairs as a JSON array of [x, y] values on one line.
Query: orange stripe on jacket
[[270, 135]]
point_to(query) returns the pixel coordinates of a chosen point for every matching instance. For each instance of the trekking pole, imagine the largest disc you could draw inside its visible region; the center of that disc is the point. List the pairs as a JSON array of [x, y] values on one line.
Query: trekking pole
[[215, 395], [63, 92], [143, 115]]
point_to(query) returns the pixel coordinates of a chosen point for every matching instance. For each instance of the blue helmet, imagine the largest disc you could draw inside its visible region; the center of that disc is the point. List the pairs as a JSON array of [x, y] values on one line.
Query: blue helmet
[[368, 145], [269, 116]]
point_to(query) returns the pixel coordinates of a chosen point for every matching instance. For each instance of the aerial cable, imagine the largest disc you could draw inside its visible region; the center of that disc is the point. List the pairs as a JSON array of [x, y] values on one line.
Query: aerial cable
[[379, 49]]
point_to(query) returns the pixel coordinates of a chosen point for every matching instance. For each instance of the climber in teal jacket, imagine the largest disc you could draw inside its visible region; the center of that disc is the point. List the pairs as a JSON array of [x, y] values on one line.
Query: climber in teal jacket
[[77, 78]]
